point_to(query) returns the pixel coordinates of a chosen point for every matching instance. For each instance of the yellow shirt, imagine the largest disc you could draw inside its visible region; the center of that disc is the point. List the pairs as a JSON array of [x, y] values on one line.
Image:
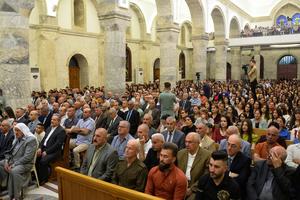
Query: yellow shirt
[[252, 73]]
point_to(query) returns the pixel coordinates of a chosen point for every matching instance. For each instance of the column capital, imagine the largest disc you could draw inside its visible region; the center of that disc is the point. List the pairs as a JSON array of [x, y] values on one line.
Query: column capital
[[221, 42], [114, 21], [257, 49], [203, 36]]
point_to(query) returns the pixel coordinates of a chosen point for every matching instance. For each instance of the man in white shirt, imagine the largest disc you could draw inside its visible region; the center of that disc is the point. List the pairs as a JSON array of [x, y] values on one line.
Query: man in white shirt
[[193, 161], [293, 155], [144, 141]]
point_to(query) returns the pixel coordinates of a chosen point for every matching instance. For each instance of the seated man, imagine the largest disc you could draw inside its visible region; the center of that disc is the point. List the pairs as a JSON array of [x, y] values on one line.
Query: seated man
[[131, 172], [18, 160], [144, 140], [217, 184], [293, 155], [39, 132], [193, 161], [173, 135], [50, 148], [152, 158], [206, 142], [271, 179], [84, 129], [166, 180], [101, 159], [6, 138]]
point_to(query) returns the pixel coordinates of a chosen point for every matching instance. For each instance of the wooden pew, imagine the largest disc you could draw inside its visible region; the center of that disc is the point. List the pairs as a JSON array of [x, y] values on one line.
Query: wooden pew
[[75, 186], [259, 131]]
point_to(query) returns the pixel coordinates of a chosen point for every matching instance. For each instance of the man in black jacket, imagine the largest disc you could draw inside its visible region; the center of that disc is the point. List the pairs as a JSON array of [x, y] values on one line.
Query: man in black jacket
[[50, 148], [6, 138], [271, 178]]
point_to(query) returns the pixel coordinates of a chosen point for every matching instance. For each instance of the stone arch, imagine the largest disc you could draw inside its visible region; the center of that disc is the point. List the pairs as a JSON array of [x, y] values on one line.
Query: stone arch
[[185, 34], [79, 13], [81, 70], [156, 69], [154, 35], [197, 14], [234, 28], [141, 17], [280, 5], [219, 22], [182, 67], [287, 67], [128, 70]]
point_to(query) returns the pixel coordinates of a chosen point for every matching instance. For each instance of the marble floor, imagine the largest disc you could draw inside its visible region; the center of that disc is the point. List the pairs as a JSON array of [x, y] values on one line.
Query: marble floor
[[46, 192]]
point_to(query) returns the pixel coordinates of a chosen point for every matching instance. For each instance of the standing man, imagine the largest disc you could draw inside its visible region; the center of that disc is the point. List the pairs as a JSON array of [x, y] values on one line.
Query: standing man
[[131, 172], [252, 74], [167, 100], [166, 180], [101, 159], [217, 184], [193, 161]]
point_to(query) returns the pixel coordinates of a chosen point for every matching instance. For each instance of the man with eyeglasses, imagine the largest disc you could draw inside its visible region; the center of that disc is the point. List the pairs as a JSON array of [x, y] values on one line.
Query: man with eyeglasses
[[120, 141], [262, 150], [238, 163], [193, 161]]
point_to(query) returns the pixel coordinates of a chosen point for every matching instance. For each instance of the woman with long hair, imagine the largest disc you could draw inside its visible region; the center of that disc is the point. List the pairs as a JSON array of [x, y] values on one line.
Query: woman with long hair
[[283, 132], [220, 133], [247, 132]]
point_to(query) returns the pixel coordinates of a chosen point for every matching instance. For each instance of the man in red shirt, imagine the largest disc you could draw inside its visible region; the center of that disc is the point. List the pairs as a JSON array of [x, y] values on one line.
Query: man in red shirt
[[166, 180]]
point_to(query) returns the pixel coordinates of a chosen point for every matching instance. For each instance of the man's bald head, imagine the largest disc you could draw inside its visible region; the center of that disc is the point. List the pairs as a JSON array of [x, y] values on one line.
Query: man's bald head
[[232, 130]]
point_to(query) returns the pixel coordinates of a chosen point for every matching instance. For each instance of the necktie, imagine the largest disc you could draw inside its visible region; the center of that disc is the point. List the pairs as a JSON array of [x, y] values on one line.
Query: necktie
[[183, 106], [170, 137], [229, 162], [128, 115]]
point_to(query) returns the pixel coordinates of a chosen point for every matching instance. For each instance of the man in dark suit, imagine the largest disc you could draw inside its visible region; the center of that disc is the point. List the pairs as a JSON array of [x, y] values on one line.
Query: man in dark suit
[[271, 178], [155, 113], [50, 148], [185, 104], [101, 159], [46, 116], [101, 117], [193, 161], [173, 135], [238, 163], [133, 117], [112, 124], [20, 116], [6, 138]]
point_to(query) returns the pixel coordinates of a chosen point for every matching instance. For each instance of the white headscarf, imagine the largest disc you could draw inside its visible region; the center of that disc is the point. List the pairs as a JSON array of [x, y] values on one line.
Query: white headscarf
[[24, 129]]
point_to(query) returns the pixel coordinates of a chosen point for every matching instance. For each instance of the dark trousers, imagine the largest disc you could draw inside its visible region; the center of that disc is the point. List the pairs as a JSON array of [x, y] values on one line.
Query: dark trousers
[[253, 85], [43, 164]]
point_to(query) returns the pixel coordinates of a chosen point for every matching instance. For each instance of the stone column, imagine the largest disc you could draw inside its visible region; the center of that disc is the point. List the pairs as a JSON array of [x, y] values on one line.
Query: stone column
[[236, 63], [14, 60], [199, 56], [257, 59], [115, 25], [221, 59], [168, 54]]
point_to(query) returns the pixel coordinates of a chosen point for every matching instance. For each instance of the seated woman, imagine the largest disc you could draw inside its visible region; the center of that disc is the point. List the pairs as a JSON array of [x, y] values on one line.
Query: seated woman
[[189, 125], [258, 122], [220, 133], [283, 132], [247, 132]]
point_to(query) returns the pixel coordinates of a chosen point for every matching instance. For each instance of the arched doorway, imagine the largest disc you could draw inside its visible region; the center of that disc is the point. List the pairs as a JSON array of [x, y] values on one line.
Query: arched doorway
[[228, 71], [287, 67], [78, 71], [128, 65], [74, 73], [182, 64], [156, 69]]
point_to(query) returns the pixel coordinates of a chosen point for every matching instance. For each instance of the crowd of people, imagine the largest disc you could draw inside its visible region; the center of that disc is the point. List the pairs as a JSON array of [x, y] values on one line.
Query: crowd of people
[[193, 141], [268, 31]]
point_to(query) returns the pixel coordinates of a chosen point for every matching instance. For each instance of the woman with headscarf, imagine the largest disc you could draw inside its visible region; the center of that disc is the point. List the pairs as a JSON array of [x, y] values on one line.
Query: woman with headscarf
[[19, 160]]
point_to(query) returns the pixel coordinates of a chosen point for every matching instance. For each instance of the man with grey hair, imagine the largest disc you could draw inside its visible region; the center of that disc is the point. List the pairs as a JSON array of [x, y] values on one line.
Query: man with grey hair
[[193, 161], [120, 141], [173, 135], [6, 138], [148, 119], [144, 140], [245, 146], [271, 179], [133, 117], [152, 158], [112, 124], [205, 142], [131, 172]]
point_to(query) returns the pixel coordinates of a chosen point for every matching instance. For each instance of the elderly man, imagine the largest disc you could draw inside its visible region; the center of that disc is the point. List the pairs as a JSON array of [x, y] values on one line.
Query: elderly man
[[133, 117], [84, 129], [261, 150], [293, 155], [144, 140], [21, 115], [173, 135], [245, 146], [206, 142], [18, 160], [34, 121], [131, 172], [154, 112], [6, 138], [112, 124], [193, 161], [217, 184], [238, 163], [166, 180], [120, 141], [45, 116], [271, 179], [147, 119], [152, 158], [101, 159]]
